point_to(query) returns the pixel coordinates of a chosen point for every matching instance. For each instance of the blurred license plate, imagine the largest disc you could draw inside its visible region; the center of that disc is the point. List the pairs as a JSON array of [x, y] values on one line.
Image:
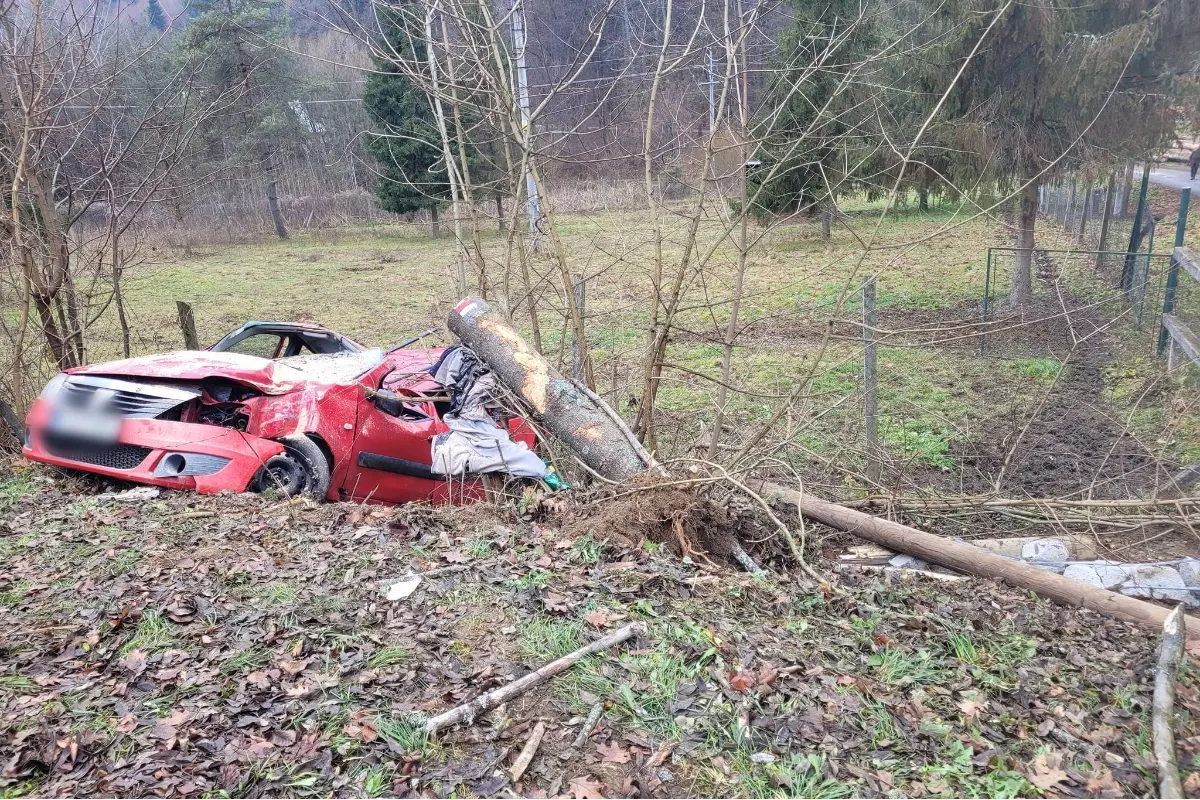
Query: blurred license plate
[[85, 426]]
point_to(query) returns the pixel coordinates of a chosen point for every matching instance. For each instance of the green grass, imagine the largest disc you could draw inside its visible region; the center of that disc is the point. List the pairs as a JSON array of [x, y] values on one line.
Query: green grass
[[587, 549], [545, 639], [1038, 369], [790, 775], [389, 657], [14, 594], [405, 732], [153, 634], [14, 485], [900, 668], [251, 658], [994, 662]]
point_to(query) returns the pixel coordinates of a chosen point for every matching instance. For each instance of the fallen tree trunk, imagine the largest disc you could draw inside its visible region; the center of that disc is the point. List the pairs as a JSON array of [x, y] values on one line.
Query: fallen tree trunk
[[574, 415], [967, 558]]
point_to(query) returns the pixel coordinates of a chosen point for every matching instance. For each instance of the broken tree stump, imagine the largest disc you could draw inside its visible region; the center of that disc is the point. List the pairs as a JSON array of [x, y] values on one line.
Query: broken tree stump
[[577, 417], [973, 560]]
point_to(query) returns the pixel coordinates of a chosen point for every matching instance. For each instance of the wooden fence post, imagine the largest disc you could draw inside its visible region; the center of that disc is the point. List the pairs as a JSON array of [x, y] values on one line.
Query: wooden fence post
[[187, 323], [871, 380]]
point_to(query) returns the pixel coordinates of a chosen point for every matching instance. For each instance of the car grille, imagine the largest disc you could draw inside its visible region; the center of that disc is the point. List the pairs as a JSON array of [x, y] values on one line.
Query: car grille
[[125, 398], [116, 456]]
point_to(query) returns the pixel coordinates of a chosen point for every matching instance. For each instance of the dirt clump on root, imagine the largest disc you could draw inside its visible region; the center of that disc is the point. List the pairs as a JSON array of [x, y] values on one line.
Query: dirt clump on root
[[676, 517]]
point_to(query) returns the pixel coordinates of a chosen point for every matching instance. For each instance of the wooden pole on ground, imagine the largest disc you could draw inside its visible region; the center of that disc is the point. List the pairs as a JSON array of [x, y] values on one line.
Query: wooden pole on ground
[[971, 559], [468, 712], [187, 323], [1169, 654]]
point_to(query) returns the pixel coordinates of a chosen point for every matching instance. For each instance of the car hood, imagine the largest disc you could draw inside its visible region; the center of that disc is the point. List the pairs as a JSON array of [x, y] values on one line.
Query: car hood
[[263, 374]]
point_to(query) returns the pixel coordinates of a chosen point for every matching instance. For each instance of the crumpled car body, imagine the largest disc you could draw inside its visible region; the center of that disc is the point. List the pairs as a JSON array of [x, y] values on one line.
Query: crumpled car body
[[228, 421]]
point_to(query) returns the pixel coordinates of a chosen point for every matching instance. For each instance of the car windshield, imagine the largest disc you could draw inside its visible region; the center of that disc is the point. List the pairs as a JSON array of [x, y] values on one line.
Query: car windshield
[[334, 367]]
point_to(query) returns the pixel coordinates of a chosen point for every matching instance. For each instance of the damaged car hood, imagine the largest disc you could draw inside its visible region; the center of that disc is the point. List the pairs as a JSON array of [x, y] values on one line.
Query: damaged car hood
[[267, 376]]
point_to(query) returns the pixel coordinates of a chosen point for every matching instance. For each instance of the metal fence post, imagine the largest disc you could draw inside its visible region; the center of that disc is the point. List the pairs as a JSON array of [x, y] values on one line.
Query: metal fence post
[[1185, 198], [1108, 210]]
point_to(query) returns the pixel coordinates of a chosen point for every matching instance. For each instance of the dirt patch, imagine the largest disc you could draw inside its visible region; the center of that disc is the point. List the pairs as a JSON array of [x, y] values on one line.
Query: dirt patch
[[677, 517]]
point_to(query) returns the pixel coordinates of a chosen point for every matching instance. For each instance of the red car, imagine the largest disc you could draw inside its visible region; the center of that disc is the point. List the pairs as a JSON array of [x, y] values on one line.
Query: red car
[[284, 406]]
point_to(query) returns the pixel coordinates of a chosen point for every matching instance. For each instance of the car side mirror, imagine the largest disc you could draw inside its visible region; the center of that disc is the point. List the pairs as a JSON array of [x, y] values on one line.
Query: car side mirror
[[388, 402]]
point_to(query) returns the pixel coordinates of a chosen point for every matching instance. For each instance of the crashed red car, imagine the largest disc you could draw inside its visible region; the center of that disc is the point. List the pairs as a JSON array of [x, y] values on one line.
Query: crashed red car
[[311, 413]]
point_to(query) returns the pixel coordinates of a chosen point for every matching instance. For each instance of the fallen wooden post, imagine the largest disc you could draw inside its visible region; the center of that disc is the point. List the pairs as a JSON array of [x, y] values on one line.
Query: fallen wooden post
[[973, 560], [467, 712], [1169, 654]]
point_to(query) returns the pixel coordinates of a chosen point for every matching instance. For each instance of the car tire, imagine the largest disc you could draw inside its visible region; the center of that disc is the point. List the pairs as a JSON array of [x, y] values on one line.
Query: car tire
[[301, 469]]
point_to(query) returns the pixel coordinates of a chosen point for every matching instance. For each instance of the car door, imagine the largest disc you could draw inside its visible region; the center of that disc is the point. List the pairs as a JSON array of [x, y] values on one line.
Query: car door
[[390, 459]]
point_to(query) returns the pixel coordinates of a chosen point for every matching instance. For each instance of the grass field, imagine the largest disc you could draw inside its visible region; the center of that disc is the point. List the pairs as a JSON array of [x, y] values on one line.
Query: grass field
[[382, 284]]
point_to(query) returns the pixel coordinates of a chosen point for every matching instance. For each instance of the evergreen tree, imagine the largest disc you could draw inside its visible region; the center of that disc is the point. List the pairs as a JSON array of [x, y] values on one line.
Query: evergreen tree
[[406, 142], [155, 15], [1054, 85], [814, 148], [240, 50]]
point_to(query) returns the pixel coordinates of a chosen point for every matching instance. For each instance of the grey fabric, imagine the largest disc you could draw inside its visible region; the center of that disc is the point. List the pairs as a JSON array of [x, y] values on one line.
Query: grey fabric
[[475, 443], [478, 446]]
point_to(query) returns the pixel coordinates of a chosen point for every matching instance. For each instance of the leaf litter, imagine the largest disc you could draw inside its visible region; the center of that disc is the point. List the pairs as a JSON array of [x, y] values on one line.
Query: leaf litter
[[251, 652]]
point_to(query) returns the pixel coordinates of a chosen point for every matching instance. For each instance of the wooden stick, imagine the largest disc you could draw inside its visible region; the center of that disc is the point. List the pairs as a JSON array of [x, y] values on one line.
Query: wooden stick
[[1169, 655], [593, 717], [467, 712], [967, 558], [522, 763]]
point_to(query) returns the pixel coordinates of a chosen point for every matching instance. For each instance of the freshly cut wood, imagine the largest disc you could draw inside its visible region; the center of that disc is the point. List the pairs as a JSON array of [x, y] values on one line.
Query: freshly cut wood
[[971, 559], [574, 415], [527, 753], [467, 712], [1169, 654]]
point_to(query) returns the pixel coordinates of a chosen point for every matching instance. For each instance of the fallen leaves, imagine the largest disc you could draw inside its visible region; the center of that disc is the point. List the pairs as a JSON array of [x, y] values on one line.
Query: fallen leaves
[[612, 753], [1045, 771], [585, 786], [597, 619]]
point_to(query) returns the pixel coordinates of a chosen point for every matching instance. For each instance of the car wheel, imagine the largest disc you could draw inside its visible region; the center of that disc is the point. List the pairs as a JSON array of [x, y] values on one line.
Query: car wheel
[[301, 469]]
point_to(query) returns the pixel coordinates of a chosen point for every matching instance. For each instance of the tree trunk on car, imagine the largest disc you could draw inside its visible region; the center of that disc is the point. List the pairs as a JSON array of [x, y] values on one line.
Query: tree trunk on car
[[1021, 294], [571, 412]]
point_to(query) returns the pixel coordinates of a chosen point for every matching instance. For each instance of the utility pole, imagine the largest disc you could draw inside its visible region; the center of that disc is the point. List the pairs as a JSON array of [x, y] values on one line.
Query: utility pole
[[531, 190], [712, 93]]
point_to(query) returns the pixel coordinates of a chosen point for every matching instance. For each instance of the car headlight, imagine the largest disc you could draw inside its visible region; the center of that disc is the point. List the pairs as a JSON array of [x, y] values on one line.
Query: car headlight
[[54, 386]]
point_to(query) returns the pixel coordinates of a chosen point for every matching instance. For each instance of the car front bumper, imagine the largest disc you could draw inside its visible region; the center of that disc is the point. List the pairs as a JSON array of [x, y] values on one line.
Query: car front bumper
[[175, 455]]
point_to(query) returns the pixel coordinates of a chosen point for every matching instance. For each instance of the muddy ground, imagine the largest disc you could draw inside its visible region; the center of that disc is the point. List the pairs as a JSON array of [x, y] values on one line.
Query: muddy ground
[[237, 646]]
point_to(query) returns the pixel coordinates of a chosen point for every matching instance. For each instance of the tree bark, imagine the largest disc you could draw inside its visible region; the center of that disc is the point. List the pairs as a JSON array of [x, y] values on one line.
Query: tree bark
[[570, 412], [922, 199], [435, 227], [826, 221], [10, 420], [1021, 294], [968, 558]]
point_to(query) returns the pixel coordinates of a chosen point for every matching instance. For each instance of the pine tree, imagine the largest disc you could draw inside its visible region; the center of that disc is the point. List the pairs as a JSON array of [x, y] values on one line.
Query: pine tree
[[406, 142], [155, 15], [240, 51], [1054, 87], [814, 149]]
